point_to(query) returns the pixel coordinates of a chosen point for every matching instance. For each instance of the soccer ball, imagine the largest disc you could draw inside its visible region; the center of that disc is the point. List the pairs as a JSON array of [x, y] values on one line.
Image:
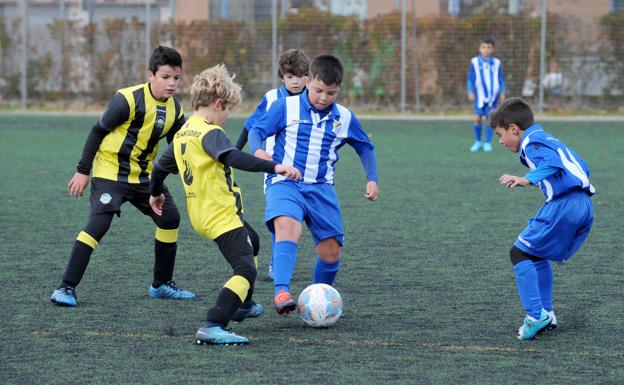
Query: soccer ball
[[319, 305]]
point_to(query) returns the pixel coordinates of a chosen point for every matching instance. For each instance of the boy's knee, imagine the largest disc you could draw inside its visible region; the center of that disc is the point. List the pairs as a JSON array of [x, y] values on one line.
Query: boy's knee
[[245, 267], [329, 250], [287, 229], [477, 119], [516, 256], [169, 220]]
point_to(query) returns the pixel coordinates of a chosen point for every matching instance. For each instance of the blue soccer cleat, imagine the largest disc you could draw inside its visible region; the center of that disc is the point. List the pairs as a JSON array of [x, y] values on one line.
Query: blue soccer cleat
[[532, 327], [553, 324], [254, 311], [64, 296], [169, 291], [487, 147], [270, 273], [217, 335], [476, 146]]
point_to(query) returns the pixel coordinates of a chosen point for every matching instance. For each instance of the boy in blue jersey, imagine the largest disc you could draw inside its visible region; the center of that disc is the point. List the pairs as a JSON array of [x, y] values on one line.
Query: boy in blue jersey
[[560, 226], [486, 88], [309, 130], [293, 72]]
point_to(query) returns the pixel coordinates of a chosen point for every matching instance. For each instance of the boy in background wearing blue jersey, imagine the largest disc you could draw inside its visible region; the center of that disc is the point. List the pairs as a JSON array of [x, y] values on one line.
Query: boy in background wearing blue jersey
[[486, 88], [560, 226], [293, 72], [309, 129], [205, 158]]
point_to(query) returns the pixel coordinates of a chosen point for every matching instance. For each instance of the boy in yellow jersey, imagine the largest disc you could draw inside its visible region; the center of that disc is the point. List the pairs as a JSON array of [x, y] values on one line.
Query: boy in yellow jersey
[[204, 157], [119, 152]]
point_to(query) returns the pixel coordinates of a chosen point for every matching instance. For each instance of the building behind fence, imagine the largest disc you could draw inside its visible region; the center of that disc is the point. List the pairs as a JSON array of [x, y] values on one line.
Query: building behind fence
[[72, 54]]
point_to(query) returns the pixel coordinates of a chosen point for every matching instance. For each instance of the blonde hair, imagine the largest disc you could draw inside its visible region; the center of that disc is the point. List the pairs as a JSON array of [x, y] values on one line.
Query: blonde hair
[[212, 84]]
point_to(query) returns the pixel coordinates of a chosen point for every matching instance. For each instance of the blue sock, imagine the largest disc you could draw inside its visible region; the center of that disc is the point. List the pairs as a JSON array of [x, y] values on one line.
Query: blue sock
[[476, 129], [528, 288], [284, 258], [488, 133], [545, 281], [325, 272]]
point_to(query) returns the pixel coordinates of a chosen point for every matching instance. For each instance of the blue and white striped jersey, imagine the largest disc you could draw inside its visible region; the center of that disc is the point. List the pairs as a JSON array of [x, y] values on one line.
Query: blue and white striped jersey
[[266, 102], [539, 148], [268, 99], [309, 139], [486, 80]]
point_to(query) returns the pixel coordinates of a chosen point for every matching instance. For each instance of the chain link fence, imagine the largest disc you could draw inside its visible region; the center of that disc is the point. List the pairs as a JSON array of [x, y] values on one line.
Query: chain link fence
[[399, 55]]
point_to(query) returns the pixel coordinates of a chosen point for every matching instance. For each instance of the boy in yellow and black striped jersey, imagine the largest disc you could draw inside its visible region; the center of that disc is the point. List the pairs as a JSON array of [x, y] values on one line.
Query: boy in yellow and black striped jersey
[[118, 153], [204, 156]]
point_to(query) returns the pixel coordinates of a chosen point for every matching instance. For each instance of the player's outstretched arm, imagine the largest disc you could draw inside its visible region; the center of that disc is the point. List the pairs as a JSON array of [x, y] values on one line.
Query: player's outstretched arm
[[77, 184], [511, 181], [372, 191], [288, 171]]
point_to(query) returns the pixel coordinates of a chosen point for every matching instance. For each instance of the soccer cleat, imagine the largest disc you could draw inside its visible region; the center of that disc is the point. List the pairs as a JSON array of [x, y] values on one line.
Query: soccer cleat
[[553, 324], [487, 147], [64, 296], [254, 311], [217, 335], [476, 146], [532, 327], [284, 303], [270, 272], [169, 291]]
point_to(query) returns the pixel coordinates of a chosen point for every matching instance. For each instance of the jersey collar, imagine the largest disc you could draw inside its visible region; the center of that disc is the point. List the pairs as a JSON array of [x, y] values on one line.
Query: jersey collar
[[534, 128], [148, 93]]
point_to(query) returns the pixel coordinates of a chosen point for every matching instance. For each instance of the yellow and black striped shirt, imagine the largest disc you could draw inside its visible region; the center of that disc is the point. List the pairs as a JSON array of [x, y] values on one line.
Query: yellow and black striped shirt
[[133, 124]]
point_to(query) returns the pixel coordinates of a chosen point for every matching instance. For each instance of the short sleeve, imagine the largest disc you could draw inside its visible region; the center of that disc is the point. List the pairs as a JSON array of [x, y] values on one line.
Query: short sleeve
[[117, 112], [215, 143]]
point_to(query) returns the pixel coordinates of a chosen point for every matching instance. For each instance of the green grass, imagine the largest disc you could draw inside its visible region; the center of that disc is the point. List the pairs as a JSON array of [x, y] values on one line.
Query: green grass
[[428, 287]]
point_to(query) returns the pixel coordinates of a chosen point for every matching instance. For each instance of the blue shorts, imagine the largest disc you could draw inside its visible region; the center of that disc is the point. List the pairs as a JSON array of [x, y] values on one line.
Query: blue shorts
[[316, 204], [483, 111], [559, 228]]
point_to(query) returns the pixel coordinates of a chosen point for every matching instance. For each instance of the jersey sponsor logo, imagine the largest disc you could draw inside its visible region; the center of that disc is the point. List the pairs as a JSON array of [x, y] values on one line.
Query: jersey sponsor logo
[[106, 198], [193, 133], [300, 121], [524, 241], [187, 176]]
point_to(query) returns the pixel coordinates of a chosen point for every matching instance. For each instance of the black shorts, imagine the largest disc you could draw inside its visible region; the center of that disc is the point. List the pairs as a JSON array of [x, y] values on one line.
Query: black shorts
[[107, 196], [235, 244]]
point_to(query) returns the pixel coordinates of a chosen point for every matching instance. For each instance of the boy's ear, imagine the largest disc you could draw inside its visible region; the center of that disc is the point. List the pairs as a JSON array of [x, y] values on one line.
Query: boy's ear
[[514, 128], [150, 75]]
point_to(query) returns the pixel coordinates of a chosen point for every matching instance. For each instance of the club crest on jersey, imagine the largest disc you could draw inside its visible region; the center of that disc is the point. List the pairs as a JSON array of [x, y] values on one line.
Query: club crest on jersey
[[106, 198], [337, 124], [160, 122]]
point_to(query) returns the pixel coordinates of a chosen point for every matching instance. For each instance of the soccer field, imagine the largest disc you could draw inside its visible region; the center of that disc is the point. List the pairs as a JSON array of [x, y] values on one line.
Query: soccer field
[[429, 291]]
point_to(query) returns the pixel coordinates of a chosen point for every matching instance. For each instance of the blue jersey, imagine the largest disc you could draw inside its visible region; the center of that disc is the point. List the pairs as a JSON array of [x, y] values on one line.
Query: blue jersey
[[486, 81], [539, 148], [309, 139], [264, 105]]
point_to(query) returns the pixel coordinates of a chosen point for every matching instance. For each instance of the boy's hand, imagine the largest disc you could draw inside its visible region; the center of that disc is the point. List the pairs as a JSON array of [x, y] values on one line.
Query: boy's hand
[[157, 203], [287, 171], [471, 96], [263, 155], [372, 192], [77, 184], [511, 181]]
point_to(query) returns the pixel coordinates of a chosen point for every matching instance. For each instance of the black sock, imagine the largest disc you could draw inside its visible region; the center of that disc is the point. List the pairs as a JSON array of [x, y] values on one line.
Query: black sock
[[227, 304], [77, 264], [164, 262]]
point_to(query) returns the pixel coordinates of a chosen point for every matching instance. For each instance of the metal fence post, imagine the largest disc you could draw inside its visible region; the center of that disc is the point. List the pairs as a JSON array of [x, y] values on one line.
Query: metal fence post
[[403, 53], [23, 5], [274, 43], [148, 28], [415, 57], [542, 70]]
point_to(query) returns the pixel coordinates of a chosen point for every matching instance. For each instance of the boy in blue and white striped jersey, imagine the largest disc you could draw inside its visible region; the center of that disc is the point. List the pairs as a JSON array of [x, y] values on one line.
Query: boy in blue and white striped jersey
[[560, 226], [294, 65], [486, 88], [309, 130]]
